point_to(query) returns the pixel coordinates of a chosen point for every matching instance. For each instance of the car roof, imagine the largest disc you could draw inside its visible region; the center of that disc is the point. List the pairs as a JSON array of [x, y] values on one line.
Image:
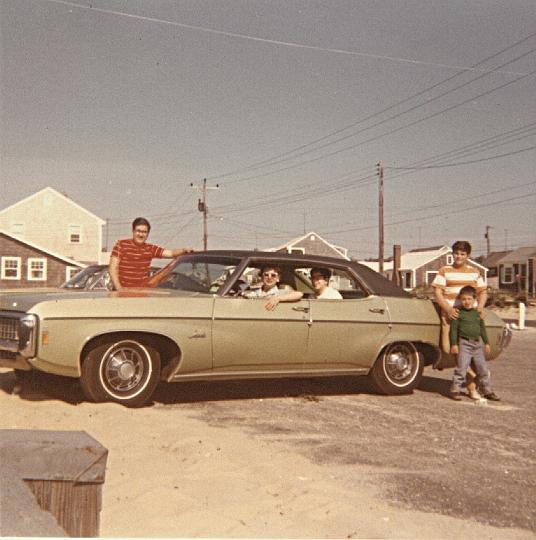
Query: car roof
[[375, 282]]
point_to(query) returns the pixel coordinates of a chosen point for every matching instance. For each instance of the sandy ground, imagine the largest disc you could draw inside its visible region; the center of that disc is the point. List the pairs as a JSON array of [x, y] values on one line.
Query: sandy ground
[[174, 473]]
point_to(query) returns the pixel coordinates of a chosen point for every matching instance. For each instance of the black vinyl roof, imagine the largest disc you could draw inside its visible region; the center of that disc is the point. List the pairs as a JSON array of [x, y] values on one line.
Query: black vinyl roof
[[375, 282]]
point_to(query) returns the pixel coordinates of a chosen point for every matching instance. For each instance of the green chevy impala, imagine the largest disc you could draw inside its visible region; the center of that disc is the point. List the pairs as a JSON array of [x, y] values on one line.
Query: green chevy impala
[[198, 321]]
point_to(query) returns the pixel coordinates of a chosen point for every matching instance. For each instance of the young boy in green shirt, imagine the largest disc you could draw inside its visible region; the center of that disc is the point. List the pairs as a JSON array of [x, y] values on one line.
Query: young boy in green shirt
[[469, 340]]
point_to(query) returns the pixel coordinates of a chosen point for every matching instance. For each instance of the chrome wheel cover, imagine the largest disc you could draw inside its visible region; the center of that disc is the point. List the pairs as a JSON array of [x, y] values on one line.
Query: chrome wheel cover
[[400, 363], [125, 369]]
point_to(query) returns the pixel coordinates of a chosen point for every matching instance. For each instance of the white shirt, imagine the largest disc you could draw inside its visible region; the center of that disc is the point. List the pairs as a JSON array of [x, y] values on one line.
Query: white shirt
[[329, 294], [261, 293]]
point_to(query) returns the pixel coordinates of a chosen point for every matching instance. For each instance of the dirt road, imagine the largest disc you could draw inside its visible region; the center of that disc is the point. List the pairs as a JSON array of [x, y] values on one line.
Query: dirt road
[[309, 458]]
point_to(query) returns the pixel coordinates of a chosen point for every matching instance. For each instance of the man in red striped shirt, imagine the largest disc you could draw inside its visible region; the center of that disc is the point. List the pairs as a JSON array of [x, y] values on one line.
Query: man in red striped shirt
[[131, 258]]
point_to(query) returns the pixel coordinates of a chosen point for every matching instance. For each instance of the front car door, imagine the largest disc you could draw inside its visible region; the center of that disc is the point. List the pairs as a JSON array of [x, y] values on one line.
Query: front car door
[[246, 337]]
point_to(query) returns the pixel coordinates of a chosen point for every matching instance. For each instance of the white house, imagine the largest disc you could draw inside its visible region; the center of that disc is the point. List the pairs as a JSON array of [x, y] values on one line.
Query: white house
[[56, 223]]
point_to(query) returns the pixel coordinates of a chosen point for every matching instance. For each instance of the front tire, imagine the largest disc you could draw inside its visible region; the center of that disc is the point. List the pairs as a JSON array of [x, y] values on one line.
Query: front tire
[[398, 369], [125, 370]]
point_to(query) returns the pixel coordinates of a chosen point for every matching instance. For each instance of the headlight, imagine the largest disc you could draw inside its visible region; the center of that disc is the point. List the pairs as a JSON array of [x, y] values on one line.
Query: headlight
[[27, 335]]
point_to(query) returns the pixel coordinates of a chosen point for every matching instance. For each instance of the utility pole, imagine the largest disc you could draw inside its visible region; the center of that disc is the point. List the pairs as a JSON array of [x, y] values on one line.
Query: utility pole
[[202, 207], [488, 242], [380, 213]]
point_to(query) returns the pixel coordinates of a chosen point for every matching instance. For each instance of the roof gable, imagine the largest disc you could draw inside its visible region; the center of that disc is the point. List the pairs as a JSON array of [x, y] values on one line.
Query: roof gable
[[57, 194], [70, 262], [340, 251]]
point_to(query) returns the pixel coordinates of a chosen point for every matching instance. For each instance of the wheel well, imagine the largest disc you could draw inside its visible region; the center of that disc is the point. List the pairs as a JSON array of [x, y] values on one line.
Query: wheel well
[[430, 353], [170, 353]]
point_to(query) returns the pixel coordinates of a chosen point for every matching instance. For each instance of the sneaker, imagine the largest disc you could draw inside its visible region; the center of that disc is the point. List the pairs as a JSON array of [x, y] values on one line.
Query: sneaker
[[492, 396], [473, 394], [455, 395]]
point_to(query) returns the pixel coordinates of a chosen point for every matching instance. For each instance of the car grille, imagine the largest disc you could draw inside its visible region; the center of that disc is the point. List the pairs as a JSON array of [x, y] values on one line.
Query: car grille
[[9, 329]]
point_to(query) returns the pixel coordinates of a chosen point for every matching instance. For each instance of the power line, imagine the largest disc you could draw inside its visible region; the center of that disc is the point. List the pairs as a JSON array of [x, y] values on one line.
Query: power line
[[275, 160], [266, 40], [465, 162]]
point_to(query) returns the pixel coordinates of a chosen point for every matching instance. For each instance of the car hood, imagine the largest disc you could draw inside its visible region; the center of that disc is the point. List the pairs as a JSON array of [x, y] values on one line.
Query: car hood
[[25, 301]]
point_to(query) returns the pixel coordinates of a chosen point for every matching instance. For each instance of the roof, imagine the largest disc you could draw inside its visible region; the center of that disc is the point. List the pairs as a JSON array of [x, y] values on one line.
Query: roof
[[519, 255], [494, 258], [416, 259], [57, 194], [376, 283], [70, 262], [341, 250]]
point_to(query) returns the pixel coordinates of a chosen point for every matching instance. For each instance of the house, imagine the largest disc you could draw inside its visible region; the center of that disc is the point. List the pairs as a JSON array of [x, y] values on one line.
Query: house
[[491, 262], [24, 264], [419, 267], [516, 270], [57, 224], [312, 244]]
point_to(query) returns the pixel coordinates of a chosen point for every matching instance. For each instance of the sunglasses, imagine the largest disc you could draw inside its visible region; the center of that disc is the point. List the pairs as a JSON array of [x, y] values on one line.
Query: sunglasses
[[270, 274]]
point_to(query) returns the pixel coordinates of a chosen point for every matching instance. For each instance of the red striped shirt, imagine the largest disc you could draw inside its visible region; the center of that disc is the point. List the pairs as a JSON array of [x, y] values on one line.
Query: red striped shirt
[[135, 261]]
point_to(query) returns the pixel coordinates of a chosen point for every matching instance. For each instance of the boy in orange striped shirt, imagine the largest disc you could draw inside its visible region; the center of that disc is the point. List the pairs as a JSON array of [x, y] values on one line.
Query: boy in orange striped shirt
[[447, 285]]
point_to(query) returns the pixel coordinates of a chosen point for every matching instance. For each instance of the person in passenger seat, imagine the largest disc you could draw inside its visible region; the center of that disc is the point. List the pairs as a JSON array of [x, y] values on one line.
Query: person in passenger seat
[[320, 280]]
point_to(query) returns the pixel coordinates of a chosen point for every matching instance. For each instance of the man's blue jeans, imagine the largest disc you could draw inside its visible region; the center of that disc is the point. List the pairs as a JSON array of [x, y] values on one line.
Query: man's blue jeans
[[471, 350]]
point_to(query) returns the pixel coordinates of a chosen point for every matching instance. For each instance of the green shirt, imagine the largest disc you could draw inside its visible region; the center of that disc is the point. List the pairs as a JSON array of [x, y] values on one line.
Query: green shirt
[[468, 325]]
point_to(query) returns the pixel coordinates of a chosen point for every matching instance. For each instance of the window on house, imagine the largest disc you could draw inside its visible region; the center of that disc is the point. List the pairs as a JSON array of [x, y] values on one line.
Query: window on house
[[37, 269], [75, 234], [450, 259], [430, 276], [70, 272], [507, 274], [406, 280], [10, 268], [18, 229], [297, 250]]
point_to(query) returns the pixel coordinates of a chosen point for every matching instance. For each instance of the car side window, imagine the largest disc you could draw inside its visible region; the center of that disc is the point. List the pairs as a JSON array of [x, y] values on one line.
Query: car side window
[[340, 280], [347, 285]]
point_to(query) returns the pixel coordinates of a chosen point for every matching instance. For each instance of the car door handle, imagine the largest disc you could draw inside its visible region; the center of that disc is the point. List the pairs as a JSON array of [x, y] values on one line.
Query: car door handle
[[198, 334], [299, 308], [377, 310]]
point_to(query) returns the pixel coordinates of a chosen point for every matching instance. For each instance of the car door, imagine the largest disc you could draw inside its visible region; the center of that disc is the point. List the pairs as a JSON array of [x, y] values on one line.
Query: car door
[[346, 334], [247, 337]]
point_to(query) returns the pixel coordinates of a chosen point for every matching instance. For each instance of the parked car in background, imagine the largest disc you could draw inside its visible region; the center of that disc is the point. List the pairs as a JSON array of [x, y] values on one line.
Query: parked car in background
[[95, 277], [195, 324]]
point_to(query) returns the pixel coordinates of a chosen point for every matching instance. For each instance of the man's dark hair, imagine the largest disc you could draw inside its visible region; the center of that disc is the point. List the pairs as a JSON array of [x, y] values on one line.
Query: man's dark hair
[[324, 272], [265, 267], [468, 289], [462, 245], [141, 221]]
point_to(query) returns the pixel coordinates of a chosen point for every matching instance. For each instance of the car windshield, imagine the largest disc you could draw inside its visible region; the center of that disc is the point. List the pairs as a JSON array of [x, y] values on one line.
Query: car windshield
[[204, 275]]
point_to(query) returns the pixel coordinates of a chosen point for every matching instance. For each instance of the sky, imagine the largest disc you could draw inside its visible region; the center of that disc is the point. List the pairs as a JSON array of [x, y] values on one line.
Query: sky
[[287, 107]]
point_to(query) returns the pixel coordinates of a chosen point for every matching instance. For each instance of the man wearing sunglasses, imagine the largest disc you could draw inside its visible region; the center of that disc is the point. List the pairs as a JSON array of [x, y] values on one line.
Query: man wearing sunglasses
[[270, 276]]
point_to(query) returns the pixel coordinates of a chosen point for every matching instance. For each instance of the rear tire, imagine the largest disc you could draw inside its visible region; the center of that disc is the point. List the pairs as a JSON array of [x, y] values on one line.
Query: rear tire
[[124, 370], [398, 369]]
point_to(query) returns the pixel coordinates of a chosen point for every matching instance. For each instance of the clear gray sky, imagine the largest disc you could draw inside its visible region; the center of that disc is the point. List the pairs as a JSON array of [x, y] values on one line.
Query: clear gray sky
[[288, 106]]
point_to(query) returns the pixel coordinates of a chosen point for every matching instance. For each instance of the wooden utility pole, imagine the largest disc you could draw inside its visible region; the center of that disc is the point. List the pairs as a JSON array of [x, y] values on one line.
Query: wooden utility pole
[[488, 242], [202, 207], [396, 277], [380, 213]]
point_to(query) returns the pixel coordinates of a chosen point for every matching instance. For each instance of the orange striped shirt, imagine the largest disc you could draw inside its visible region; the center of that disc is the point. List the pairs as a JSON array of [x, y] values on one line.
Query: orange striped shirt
[[135, 261], [452, 279]]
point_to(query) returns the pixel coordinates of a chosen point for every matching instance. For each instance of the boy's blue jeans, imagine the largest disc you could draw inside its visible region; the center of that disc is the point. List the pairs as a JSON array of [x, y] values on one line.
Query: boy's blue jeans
[[470, 349]]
